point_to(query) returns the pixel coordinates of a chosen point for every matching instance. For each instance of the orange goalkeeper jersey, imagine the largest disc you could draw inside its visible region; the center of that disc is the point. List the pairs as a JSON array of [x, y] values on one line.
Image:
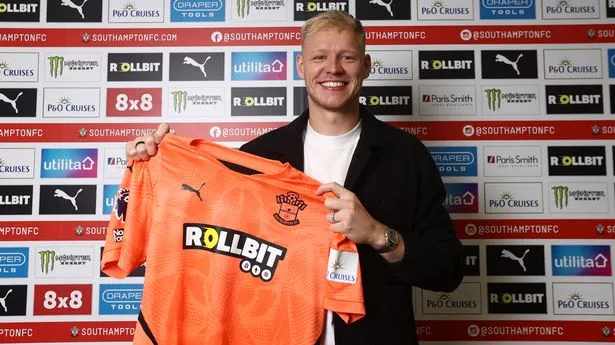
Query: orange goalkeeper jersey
[[231, 258]]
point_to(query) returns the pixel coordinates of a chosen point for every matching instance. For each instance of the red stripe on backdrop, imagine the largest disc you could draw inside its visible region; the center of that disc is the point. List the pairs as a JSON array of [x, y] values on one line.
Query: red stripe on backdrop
[[244, 131], [483, 229], [66, 332], [53, 230], [508, 330], [284, 36]]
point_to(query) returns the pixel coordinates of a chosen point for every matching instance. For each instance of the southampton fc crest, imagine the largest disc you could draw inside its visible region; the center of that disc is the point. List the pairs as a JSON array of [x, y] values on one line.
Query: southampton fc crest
[[290, 205]]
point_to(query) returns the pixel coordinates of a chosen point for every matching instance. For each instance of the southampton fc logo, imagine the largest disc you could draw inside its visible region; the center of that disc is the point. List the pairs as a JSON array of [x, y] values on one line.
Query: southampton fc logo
[[290, 205]]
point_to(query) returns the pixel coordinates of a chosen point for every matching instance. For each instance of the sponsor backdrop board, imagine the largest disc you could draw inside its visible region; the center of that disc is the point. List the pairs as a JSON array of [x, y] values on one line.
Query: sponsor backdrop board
[[514, 100]]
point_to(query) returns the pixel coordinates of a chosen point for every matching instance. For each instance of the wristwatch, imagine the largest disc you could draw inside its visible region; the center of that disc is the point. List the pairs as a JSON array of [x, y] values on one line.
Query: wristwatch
[[392, 240]]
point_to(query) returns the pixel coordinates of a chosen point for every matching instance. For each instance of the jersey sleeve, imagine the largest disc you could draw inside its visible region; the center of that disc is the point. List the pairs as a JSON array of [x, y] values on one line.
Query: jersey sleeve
[[344, 292], [128, 229]]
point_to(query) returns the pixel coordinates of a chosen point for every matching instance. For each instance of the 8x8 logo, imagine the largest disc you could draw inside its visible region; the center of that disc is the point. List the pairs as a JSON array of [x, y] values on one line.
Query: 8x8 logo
[[134, 102]]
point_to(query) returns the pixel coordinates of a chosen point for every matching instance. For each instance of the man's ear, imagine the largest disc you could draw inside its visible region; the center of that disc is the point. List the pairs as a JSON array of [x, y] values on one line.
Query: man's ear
[[300, 66], [367, 66]]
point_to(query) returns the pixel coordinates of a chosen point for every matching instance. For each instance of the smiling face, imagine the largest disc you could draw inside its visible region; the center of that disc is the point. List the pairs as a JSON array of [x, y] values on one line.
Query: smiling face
[[334, 66]]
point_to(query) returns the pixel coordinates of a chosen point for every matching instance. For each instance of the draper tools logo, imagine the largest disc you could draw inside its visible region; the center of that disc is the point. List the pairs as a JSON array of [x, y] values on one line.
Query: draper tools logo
[[258, 257], [59, 163], [196, 66], [17, 163], [517, 298], [258, 66], [446, 64], [584, 198], [64, 262], [136, 11], [573, 64], [577, 160], [578, 260], [497, 9], [17, 102], [258, 101], [134, 102], [16, 199], [389, 100], [135, 67], [515, 260], [445, 10], [197, 11], [19, 67], [512, 161], [74, 11], [447, 100], [582, 299], [259, 10], [306, 9], [461, 197], [570, 9], [83, 102], [518, 197], [383, 10], [73, 67], [67, 199], [14, 262], [455, 160], [13, 300], [510, 100], [509, 64], [120, 299], [391, 65], [574, 99], [196, 102], [20, 11]]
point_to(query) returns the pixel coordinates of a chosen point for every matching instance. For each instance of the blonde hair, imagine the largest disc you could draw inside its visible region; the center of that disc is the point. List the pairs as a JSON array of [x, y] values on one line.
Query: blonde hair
[[337, 19]]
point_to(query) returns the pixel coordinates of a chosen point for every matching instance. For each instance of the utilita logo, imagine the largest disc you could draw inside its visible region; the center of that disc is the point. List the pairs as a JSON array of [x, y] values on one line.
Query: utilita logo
[[446, 64], [455, 160], [20, 11], [461, 197], [66, 163], [581, 260], [258, 66]]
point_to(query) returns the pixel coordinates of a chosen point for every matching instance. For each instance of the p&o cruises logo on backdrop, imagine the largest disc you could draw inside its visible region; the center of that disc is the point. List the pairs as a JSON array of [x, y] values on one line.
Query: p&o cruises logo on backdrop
[[75, 103], [197, 11], [521, 198], [305, 10], [573, 64], [465, 300], [390, 65], [445, 10], [16, 163], [20, 11], [498, 9], [18, 67], [136, 11], [570, 9], [582, 299]]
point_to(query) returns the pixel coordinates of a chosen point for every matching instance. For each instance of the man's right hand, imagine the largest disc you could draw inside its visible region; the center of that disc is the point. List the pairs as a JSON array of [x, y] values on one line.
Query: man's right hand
[[142, 148]]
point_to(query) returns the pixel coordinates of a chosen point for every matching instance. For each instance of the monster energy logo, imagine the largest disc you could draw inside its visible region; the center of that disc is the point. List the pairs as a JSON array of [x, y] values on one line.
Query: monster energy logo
[[56, 65], [561, 196], [180, 99], [243, 8], [48, 258], [494, 98]]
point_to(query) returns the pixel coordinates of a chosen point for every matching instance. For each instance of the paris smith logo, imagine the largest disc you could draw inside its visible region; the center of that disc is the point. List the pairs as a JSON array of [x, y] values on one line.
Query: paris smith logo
[[258, 257], [290, 205]]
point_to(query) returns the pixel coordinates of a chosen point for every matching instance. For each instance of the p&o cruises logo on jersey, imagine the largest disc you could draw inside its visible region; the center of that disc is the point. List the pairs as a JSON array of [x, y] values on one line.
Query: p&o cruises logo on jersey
[[512, 161], [258, 101], [74, 11], [74, 103], [389, 100], [69, 67], [134, 101], [583, 198], [258, 66], [259, 10], [445, 10], [20, 11], [197, 11], [515, 260], [573, 64], [196, 102], [446, 64], [73, 299], [520, 198], [517, 298], [196, 66], [509, 64], [13, 300], [109, 191], [258, 257], [18, 102], [16, 163], [465, 300], [447, 100], [18, 67], [383, 10], [306, 9], [120, 299], [115, 162], [391, 65], [14, 262], [455, 160], [135, 67], [505, 9], [574, 99], [64, 262], [16, 199], [577, 160], [578, 260], [342, 266], [510, 100], [67, 199], [63, 163], [136, 11], [570, 9], [461, 197], [583, 299]]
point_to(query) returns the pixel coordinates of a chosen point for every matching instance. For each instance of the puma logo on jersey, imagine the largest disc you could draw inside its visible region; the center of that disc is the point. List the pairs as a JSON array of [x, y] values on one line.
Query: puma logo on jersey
[[259, 257], [193, 190]]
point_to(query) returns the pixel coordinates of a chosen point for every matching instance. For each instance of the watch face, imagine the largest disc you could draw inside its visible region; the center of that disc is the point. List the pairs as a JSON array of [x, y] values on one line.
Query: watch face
[[393, 239]]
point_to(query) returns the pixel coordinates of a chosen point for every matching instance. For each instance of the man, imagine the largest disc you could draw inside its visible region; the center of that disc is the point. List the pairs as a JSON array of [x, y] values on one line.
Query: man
[[391, 200]]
